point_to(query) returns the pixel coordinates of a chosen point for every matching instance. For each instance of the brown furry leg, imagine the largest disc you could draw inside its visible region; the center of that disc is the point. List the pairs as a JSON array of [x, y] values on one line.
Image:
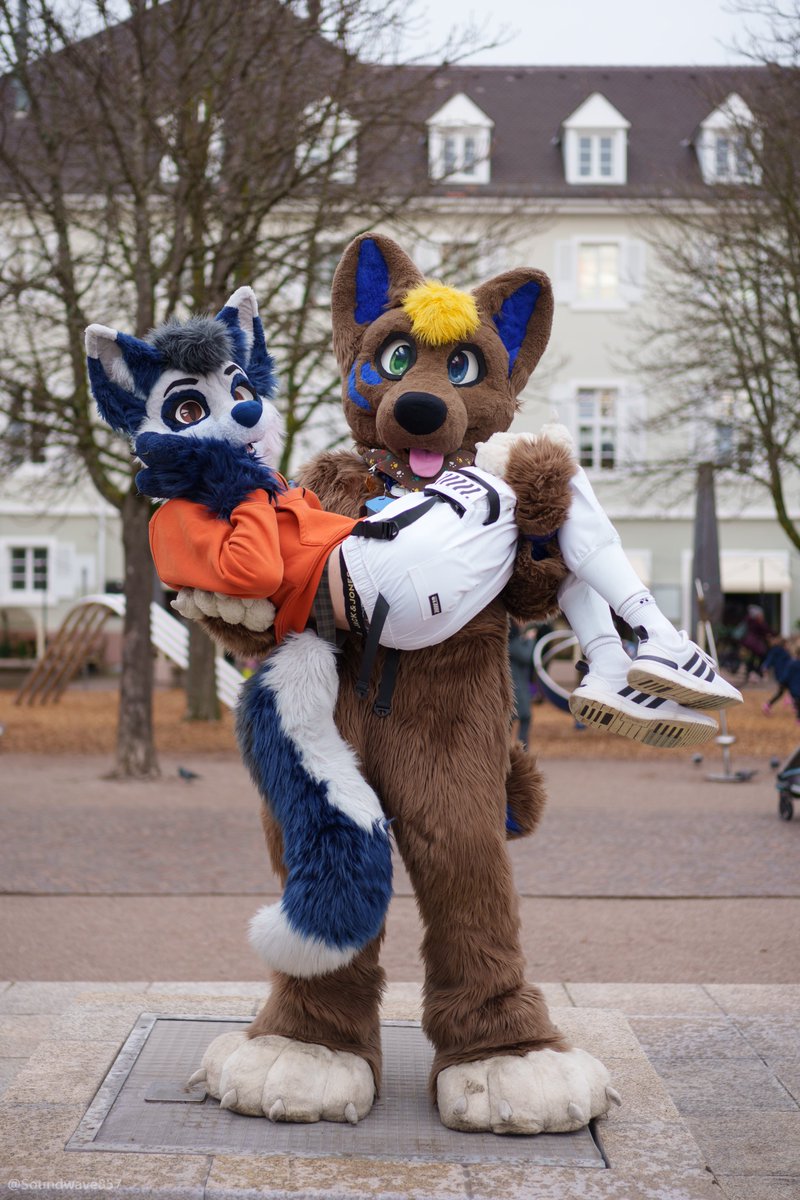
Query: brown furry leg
[[440, 764], [477, 1003], [339, 1010]]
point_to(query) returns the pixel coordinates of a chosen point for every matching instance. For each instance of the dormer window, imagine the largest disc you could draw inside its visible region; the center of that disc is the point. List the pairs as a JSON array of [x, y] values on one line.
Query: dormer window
[[595, 143], [329, 142], [595, 156], [459, 142], [722, 144]]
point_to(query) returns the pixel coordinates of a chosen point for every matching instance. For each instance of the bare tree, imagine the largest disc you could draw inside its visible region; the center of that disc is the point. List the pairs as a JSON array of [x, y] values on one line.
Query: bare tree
[[724, 344], [148, 168]]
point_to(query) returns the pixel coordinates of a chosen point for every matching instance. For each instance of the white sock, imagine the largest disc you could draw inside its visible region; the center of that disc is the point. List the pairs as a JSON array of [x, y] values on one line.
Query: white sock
[[641, 609], [607, 659]]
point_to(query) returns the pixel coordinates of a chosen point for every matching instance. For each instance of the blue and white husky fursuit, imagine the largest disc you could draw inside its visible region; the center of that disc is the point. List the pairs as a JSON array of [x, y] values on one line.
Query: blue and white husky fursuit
[[195, 397]]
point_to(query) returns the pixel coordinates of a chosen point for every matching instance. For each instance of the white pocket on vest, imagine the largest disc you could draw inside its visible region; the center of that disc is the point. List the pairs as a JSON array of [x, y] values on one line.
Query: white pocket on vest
[[437, 595]]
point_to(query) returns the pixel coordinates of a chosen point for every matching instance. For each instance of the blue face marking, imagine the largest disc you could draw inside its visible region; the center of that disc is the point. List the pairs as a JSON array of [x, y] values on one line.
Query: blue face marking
[[370, 375], [353, 393]]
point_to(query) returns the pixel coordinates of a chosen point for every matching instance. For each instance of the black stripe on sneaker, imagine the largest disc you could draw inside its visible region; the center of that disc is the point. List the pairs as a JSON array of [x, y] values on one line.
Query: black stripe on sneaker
[[656, 702], [691, 661], [626, 691], [699, 670], [654, 658]]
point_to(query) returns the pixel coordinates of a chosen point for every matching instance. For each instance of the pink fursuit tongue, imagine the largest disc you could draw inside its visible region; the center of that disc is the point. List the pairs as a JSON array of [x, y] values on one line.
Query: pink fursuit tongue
[[425, 462]]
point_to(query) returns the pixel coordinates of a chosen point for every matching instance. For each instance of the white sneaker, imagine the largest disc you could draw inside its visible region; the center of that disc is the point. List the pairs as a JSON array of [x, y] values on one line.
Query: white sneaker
[[688, 676], [633, 714]]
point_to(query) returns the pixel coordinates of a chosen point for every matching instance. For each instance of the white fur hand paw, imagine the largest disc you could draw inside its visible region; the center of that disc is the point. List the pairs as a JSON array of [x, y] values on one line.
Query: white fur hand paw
[[286, 1080], [553, 431], [255, 615], [492, 456], [543, 1092]]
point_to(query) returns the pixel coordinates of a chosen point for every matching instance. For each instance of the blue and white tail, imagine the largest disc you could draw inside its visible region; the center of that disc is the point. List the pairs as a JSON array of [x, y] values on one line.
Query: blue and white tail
[[336, 845]]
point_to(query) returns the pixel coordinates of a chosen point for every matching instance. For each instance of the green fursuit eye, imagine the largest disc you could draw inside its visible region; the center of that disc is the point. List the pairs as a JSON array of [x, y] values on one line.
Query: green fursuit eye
[[397, 357]]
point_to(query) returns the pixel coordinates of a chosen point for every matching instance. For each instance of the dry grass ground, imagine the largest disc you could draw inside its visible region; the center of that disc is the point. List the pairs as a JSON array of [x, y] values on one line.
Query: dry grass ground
[[84, 722]]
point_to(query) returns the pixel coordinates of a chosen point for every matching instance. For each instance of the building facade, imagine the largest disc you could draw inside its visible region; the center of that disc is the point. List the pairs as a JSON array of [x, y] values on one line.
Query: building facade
[[559, 168]]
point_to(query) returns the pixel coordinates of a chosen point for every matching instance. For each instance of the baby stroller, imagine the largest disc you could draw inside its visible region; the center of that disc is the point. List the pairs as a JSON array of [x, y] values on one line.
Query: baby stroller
[[787, 781]]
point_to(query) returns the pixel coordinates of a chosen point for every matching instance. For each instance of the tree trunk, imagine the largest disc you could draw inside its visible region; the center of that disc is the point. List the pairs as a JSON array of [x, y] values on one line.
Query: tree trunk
[[136, 755], [201, 682]]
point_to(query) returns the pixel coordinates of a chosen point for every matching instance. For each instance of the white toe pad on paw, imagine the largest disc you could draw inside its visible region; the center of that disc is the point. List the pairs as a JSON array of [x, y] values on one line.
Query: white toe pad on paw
[[186, 604], [544, 1091], [286, 1080]]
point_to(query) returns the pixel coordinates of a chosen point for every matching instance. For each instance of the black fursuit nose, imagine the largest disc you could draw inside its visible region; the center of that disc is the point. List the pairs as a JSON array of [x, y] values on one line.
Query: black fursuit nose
[[420, 412]]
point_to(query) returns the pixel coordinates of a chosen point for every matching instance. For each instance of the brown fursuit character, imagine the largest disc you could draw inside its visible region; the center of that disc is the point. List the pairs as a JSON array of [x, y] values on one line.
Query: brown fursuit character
[[431, 381]]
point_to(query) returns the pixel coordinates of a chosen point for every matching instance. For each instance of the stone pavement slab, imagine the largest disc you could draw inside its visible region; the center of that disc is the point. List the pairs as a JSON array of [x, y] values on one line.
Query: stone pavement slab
[[44, 1103], [698, 1123]]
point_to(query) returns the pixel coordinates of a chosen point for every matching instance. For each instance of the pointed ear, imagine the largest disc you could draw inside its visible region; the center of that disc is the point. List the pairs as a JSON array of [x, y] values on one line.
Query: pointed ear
[[113, 377], [240, 317], [520, 305], [373, 275]]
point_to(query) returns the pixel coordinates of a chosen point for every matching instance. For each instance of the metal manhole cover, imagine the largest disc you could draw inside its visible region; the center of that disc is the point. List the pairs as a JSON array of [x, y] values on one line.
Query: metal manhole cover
[[162, 1051]]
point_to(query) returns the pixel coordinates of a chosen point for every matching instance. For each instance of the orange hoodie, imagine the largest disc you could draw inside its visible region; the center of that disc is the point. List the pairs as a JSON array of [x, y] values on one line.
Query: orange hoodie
[[275, 550]]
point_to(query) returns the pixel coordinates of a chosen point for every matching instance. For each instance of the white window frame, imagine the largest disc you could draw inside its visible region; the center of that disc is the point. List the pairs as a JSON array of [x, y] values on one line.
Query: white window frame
[[334, 139], [728, 123], [600, 145], [471, 154], [631, 275], [629, 424], [27, 596], [597, 300], [168, 173], [597, 121], [597, 424]]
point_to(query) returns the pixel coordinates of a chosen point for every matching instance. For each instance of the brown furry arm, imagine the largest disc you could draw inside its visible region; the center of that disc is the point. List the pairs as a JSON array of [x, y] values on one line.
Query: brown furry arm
[[340, 480], [239, 640], [539, 471], [531, 593]]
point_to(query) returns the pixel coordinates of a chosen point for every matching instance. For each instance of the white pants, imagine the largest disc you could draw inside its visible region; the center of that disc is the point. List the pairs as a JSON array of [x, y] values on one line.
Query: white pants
[[441, 570]]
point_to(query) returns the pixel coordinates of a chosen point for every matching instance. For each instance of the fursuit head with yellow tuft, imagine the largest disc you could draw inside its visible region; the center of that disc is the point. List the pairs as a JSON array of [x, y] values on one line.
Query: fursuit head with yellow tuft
[[440, 314]]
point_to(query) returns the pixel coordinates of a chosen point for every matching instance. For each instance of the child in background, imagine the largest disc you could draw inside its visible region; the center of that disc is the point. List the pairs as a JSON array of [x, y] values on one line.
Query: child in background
[[786, 670]]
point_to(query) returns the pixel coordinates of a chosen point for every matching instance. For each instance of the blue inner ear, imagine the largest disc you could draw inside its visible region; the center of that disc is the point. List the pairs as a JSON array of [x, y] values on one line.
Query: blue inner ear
[[229, 316], [261, 365], [142, 360], [372, 283], [119, 408], [512, 320]]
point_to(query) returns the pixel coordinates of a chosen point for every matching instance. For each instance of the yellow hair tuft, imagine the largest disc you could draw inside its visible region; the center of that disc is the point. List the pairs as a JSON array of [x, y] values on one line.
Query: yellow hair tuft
[[440, 314]]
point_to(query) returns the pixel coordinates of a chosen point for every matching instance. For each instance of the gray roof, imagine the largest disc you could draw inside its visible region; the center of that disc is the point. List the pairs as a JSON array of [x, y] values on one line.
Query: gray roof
[[665, 106]]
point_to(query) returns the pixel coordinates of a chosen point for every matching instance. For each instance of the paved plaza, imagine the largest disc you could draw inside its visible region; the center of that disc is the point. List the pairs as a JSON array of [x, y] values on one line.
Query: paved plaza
[[665, 908]]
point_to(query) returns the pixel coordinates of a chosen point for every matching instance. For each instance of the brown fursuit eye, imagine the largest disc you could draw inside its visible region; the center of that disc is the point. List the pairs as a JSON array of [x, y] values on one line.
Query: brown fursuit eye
[[189, 411]]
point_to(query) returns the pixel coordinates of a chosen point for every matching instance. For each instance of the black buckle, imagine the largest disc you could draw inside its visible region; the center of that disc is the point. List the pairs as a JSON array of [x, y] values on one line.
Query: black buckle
[[386, 531]]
